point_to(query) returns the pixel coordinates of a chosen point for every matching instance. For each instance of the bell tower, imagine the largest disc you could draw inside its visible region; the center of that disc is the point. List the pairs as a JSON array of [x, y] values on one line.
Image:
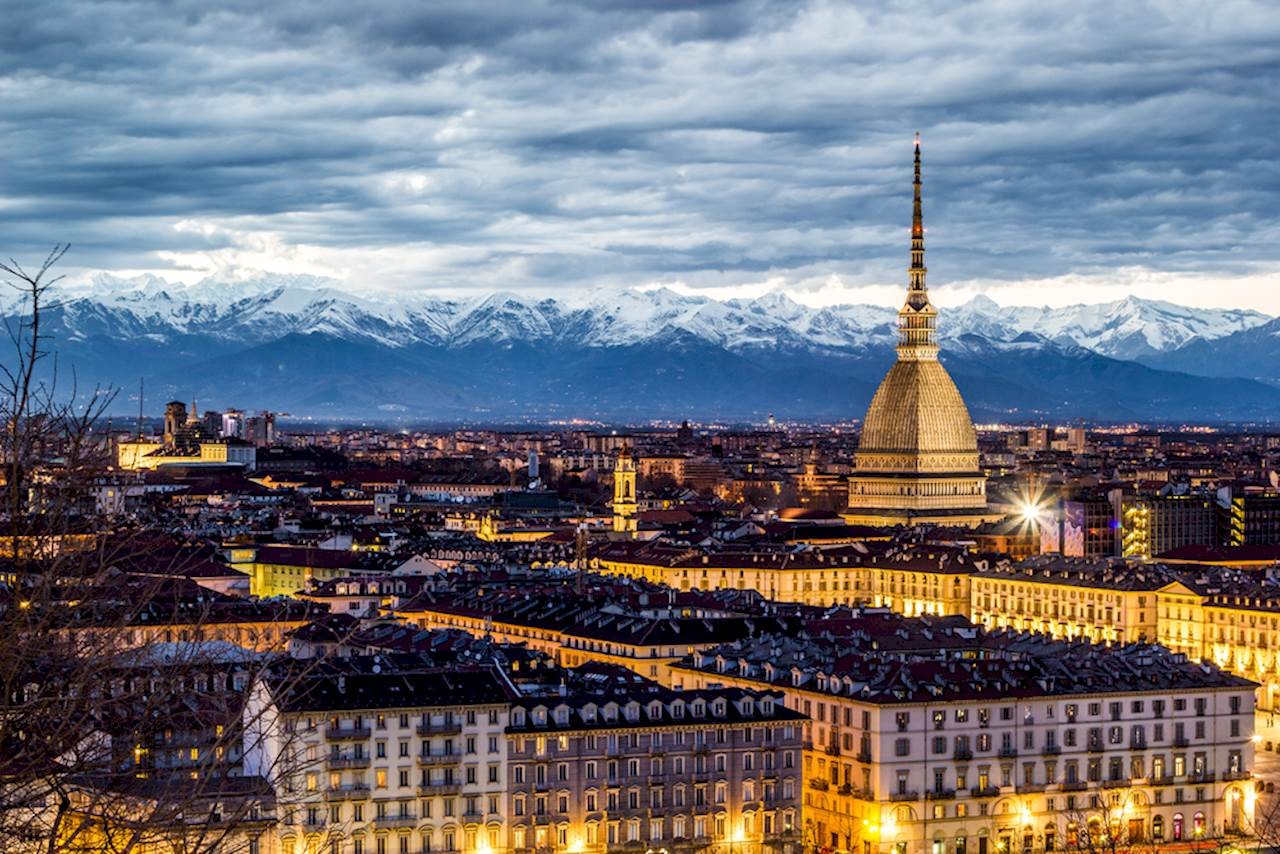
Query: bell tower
[[625, 505]]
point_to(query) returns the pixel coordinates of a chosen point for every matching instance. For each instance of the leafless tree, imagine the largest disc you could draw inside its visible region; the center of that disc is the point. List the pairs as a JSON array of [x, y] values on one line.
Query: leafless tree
[[1114, 821], [113, 735]]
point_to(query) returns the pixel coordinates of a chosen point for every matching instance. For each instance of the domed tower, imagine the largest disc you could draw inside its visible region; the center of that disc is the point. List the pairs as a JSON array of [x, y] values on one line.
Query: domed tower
[[917, 458]]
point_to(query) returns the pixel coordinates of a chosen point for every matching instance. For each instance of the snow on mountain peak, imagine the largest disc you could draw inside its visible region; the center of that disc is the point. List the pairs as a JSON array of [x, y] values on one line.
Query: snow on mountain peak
[[258, 307]]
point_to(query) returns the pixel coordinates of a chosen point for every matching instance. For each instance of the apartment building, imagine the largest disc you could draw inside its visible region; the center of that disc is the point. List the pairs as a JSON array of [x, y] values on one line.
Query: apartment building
[[642, 767], [910, 579], [1066, 598], [1002, 741], [368, 762]]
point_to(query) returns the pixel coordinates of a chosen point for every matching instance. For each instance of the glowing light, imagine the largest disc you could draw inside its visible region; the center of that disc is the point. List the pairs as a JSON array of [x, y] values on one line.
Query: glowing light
[[1030, 513], [576, 846], [1026, 815]]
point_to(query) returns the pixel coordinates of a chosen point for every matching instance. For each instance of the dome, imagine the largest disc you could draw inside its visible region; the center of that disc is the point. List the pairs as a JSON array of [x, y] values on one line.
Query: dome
[[917, 421]]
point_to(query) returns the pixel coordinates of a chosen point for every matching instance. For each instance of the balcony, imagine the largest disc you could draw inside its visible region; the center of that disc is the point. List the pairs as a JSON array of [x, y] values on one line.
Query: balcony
[[334, 733], [1203, 777], [1115, 783], [439, 789], [443, 728], [833, 749], [1075, 786], [1051, 750], [354, 791], [1027, 788], [396, 821], [430, 759], [962, 753], [1008, 752], [940, 795], [863, 756], [1228, 776], [1181, 741], [818, 784], [1095, 747], [983, 792], [904, 796], [338, 763], [1137, 745]]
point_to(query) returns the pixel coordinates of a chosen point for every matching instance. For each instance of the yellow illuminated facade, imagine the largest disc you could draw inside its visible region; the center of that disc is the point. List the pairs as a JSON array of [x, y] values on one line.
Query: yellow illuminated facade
[[1054, 606], [924, 586], [625, 503], [875, 781]]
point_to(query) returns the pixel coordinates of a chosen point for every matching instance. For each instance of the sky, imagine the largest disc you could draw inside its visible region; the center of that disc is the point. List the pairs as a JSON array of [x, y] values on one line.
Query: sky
[[1073, 152]]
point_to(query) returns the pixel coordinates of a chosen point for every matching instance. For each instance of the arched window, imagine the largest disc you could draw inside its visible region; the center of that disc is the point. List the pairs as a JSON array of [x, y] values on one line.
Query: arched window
[[1157, 828], [1177, 827]]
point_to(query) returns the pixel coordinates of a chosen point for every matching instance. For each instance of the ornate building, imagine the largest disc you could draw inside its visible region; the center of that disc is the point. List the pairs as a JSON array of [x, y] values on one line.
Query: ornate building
[[917, 459]]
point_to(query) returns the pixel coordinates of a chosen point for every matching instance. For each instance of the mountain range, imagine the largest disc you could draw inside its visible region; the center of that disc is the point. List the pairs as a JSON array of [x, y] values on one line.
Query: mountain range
[[305, 345]]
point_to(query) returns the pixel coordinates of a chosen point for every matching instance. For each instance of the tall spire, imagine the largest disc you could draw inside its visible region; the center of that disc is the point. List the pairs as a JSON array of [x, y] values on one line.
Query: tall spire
[[916, 338], [917, 270]]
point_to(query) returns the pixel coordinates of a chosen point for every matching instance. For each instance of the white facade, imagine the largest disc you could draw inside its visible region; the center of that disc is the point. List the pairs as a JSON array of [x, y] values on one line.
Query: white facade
[[385, 780]]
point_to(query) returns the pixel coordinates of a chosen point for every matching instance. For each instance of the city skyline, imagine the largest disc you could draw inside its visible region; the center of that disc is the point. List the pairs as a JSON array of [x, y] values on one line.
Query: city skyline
[[727, 150]]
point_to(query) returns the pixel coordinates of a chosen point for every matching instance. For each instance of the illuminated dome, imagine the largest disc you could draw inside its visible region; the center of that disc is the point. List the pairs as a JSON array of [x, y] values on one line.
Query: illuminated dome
[[917, 421]]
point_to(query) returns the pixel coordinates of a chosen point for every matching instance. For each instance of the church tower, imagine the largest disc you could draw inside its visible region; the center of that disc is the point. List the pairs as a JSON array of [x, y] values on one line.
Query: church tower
[[917, 457], [624, 493]]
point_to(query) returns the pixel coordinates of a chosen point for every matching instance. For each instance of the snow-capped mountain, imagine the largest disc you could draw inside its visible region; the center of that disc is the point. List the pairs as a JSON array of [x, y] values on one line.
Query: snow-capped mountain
[[263, 307], [309, 344], [1132, 328]]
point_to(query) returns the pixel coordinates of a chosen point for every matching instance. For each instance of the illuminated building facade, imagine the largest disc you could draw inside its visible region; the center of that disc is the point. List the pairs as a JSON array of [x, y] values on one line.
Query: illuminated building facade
[[384, 761], [1251, 520], [909, 580], [655, 770], [1154, 525], [920, 755], [1090, 528], [917, 457], [1066, 600]]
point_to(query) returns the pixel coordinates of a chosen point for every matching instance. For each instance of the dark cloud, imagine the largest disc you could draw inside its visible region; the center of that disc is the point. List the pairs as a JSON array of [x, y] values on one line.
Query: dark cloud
[[557, 144]]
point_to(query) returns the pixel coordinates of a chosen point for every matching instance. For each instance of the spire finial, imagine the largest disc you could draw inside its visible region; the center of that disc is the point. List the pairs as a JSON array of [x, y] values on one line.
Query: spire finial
[[916, 320], [917, 216]]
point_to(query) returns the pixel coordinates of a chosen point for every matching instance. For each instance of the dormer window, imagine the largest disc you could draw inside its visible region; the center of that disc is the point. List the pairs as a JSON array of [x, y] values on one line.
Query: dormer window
[[717, 708], [517, 717]]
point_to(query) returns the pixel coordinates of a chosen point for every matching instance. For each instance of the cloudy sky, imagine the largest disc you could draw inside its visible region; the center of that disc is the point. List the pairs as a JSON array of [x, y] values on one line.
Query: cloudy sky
[[1073, 151]]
